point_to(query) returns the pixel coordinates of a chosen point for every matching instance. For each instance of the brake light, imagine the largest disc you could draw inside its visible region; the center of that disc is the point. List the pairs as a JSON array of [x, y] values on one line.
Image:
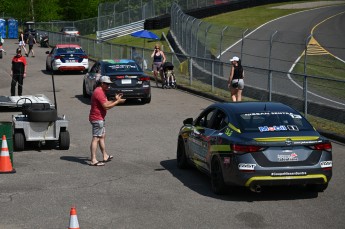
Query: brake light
[[120, 77], [57, 57], [246, 148], [322, 146], [84, 57], [145, 78]]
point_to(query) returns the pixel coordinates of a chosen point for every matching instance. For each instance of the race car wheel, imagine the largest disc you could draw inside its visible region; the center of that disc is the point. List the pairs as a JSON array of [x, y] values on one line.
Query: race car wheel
[[64, 140], [317, 187], [217, 180], [19, 141], [85, 95], [181, 156], [146, 100], [47, 67]]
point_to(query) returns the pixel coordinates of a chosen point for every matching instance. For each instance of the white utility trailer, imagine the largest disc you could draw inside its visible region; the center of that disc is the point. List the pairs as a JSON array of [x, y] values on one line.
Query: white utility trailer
[[38, 122]]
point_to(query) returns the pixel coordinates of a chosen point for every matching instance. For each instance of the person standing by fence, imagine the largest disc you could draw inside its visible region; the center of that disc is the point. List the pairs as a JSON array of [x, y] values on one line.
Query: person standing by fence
[[235, 82], [158, 59]]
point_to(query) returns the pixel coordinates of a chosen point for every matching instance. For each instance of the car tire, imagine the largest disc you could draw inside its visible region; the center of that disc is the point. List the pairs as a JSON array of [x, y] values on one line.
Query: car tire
[[64, 140], [181, 157], [0, 54], [85, 95], [146, 100], [217, 179], [18, 141], [47, 67], [317, 187]]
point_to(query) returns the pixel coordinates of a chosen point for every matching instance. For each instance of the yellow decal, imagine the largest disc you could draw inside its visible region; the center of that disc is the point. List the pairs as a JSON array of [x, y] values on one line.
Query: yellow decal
[[234, 128], [220, 148], [281, 139], [263, 178], [228, 132]]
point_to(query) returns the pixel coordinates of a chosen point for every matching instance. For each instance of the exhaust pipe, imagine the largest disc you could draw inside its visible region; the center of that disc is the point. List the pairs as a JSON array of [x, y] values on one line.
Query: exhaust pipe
[[255, 188]]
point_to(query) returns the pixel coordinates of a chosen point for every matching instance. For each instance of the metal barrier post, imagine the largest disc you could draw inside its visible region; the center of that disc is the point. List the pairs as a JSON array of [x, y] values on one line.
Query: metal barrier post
[[269, 69], [212, 75], [242, 43], [305, 82], [190, 60], [221, 40]]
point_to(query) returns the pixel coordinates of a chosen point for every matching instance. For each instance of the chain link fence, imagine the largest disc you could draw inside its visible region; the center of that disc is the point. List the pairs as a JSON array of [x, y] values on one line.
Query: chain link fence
[[266, 57], [319, 96]]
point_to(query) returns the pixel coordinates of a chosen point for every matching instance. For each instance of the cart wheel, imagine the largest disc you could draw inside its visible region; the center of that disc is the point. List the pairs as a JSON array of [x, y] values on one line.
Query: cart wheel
[[64, 140], [0, 54], [19, 141]]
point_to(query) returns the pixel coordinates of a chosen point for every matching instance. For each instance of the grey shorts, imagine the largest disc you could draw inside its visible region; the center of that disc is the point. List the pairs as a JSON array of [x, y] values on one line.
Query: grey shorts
[[240, 83], [98, 128], [157, 66]]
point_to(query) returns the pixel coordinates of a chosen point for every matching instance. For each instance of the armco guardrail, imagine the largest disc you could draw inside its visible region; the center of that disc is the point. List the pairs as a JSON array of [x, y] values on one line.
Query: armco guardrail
[[120, 30]]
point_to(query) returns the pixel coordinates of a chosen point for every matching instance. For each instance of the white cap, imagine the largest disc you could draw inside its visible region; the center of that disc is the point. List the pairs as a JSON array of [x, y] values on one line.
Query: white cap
[[235, 58], [105, 79]]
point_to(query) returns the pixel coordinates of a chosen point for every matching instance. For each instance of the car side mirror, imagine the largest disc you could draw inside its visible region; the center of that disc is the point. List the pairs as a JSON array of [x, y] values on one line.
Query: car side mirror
[[188, 121], [47, 52]]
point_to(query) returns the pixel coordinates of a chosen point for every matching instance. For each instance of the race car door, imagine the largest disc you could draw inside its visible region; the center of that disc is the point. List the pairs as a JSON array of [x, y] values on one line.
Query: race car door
[[199, 140]]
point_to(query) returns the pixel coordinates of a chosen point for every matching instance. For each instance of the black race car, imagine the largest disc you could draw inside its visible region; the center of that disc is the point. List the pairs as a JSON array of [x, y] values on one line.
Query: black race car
[[127, 76], [255, 144]]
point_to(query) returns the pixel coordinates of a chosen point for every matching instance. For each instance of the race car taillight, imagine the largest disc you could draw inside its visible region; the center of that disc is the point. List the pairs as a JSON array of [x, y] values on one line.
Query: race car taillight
[[84, 57], [246, 148], [57, 57], [322, 146], [144, 78]]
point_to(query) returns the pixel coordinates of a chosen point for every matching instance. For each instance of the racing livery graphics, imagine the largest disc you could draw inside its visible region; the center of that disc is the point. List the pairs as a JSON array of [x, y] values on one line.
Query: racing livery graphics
[[255, 144]]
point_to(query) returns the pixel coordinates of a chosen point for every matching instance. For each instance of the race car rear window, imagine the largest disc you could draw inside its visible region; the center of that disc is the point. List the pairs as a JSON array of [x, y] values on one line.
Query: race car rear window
[[121, 68], [70, 50], [273, 121]]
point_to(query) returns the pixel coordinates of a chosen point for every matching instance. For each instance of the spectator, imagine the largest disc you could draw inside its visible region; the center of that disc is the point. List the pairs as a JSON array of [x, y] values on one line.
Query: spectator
[[18, 72], [98, 111], [31, 41], [235, 82], [158, 59], [22, 42]]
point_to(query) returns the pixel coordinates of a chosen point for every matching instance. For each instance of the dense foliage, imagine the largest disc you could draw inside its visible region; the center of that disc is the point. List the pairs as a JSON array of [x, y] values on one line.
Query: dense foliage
[[48, 10]]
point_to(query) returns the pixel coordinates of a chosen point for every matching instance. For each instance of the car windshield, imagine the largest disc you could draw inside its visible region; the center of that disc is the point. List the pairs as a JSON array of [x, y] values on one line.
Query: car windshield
[[70, 29], [121, 68], [70, 50], [273, 121]]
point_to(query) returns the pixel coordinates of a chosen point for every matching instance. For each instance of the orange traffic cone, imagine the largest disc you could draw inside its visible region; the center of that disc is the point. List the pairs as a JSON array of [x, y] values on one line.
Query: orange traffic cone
[[5, 160], [73, 221]]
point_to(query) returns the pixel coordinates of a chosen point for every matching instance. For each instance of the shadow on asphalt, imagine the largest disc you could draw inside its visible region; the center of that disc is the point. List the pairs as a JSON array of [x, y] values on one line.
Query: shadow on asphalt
[[81, 160], [200, 183]]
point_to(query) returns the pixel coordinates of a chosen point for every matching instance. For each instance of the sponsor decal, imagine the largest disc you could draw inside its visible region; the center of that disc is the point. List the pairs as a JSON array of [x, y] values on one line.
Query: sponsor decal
[[326, 164], [292, 127], [243, 166], [288, 174], [296, 116], [272, 128], [291, 157], [228, 132], [226, 160]]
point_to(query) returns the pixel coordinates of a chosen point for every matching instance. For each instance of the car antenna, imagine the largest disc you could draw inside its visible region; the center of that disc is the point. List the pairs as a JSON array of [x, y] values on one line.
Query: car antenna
[[54, 90]]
